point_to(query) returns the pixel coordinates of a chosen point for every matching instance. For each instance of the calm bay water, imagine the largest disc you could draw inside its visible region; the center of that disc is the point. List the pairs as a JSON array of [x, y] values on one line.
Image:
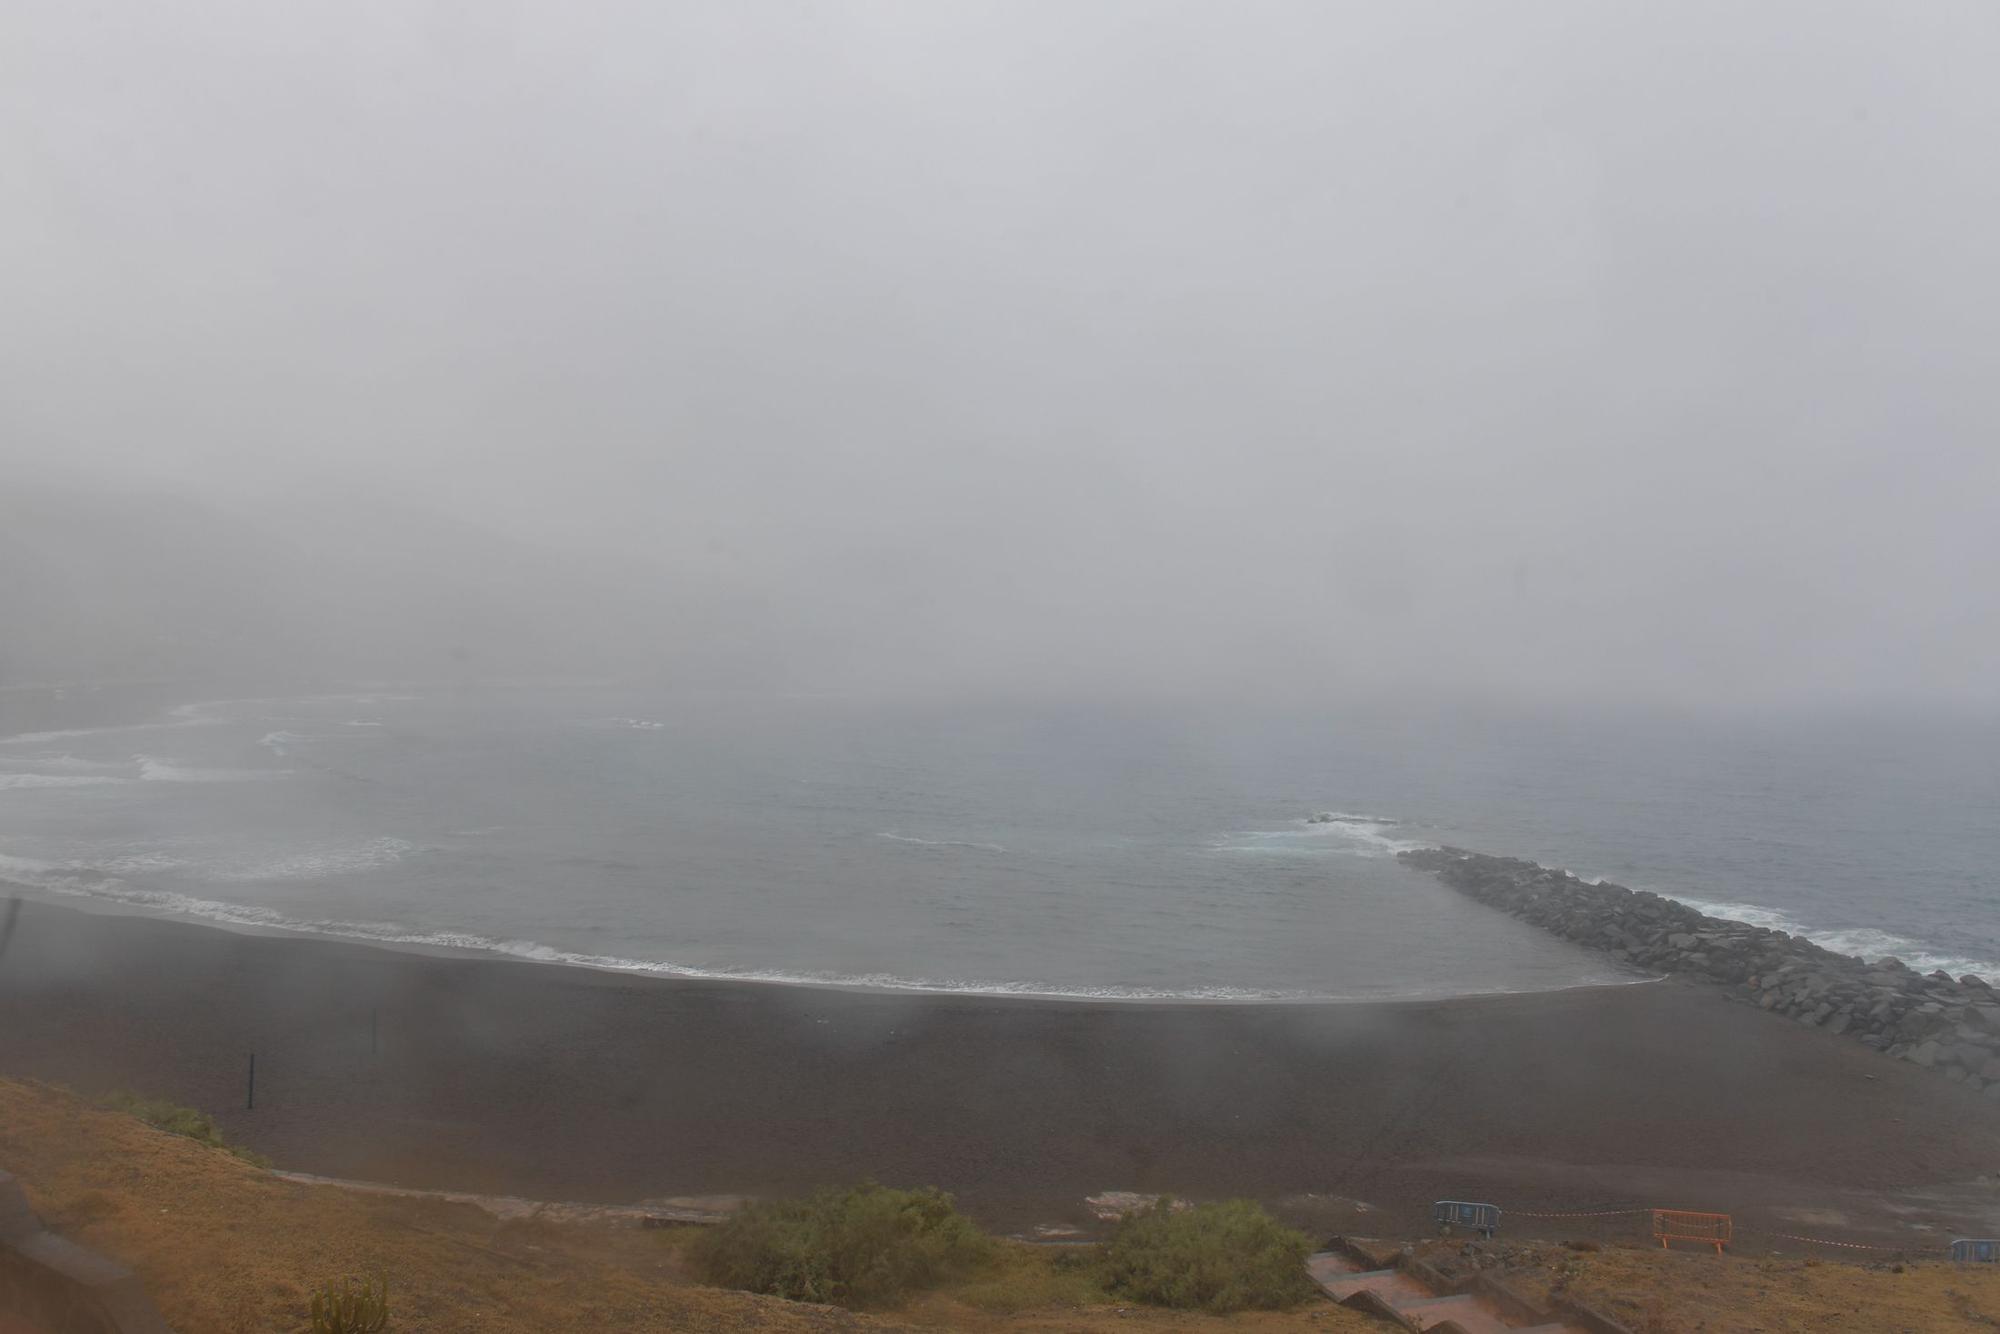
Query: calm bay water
[[1133, 853]]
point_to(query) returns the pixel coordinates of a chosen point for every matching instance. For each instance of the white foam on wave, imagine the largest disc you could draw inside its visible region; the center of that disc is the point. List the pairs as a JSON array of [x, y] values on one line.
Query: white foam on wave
[[1340, 834], [322, 863], [66, 733], [939, 842], [142, 863], [198, 714], [637, 724], [24, 870], [153, 770], [17, 782], [69, 763], [1862, 942], [103, 874]]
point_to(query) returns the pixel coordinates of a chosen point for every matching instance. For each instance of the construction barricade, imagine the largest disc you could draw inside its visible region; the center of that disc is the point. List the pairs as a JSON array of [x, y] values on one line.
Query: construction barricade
[[1976, 1250], [1482, 1218], [1672, 1225]]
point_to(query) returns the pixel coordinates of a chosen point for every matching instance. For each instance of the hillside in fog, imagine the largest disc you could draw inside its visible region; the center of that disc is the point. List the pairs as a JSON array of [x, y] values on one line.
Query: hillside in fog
[[109, 584]]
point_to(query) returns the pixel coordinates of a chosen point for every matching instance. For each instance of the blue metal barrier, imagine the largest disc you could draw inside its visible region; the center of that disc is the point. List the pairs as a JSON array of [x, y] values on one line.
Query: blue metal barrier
[[1976, 1250], [1482, 1218]]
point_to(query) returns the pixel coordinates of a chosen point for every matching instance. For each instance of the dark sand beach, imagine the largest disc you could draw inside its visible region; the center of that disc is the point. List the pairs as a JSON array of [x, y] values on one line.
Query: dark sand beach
[[565, 1083]]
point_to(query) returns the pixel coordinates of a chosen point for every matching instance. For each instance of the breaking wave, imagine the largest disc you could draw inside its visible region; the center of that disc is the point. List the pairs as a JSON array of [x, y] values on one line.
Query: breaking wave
[[14, 782], [161, 771], [24, 870], [185, 715], [1331, 833], [73, 764], [1862, 942], [939, 842], [277, 742], [323, 863]]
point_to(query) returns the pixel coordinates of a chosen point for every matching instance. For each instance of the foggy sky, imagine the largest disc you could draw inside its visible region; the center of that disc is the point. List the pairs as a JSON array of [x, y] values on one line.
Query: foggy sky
[[1563, 350]]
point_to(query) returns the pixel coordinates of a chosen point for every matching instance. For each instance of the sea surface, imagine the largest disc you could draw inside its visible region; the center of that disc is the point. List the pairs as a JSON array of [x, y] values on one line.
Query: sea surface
[[1138, 853]]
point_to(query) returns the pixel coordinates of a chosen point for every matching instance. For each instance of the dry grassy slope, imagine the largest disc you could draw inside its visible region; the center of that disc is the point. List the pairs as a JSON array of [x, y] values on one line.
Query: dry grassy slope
[[225, 1248], [1697, 1292], [1701, 1294]]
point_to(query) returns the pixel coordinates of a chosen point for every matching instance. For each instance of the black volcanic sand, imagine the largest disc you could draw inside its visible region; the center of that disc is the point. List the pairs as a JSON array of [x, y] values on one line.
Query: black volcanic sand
[[566, 1083]]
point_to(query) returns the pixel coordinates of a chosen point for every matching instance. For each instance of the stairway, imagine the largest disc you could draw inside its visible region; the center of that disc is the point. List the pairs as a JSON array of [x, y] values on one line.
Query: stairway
[[1395, 1294]]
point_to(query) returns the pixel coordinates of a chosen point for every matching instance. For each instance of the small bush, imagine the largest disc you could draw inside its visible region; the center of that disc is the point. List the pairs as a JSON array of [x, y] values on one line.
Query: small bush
[[342, 1308], [1213, 1257], [178, 1120], [868, 1246]]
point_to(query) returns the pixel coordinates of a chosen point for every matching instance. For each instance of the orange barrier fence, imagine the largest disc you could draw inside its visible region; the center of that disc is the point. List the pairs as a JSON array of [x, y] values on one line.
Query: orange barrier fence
[[1671, 1225]]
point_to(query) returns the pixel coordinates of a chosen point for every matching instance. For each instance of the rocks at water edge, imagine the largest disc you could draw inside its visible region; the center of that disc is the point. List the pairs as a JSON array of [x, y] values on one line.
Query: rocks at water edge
[[1932, 1020]]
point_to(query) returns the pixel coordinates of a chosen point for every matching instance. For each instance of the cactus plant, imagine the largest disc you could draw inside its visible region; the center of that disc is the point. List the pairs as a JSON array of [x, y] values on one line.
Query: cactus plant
[[346, 1309]]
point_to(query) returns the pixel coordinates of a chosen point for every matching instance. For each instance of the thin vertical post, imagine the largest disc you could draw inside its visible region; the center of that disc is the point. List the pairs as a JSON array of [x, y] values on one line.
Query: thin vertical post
[[374, 1031], [250, 1090], [9, 922]]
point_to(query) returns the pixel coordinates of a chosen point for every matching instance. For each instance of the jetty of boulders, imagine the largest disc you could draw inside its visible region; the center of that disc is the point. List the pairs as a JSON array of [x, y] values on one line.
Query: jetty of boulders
[[1947, 1024]]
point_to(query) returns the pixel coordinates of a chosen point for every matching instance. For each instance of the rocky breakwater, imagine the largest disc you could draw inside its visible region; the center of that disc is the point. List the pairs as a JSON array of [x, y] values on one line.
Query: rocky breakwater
[[1951, 1025]]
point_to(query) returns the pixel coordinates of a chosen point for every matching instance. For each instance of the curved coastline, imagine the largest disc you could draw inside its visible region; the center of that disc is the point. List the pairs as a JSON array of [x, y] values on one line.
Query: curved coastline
[[241, 920], [556, 1082]]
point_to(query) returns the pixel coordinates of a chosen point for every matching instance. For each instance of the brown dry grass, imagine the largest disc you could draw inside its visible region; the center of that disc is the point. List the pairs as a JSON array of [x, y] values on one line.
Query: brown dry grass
[[228, 1249], [1695, 1292], [225, 1248]]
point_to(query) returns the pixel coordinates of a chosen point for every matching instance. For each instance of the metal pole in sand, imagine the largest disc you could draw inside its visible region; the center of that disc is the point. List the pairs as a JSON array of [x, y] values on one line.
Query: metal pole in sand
[[250, 1090], [12, 919]]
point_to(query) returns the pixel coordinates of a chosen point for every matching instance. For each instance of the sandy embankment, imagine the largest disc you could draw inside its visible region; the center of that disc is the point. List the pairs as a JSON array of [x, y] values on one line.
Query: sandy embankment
[[563, 1083]]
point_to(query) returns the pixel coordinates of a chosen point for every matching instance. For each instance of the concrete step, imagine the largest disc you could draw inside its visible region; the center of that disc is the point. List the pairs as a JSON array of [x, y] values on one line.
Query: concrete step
[[1465, 1312], [1392, 1285], [1324, 1265], [1394, 1294]]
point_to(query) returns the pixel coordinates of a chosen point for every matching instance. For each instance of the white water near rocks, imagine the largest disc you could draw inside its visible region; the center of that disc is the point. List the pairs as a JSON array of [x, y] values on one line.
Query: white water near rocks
[[1140, 854]]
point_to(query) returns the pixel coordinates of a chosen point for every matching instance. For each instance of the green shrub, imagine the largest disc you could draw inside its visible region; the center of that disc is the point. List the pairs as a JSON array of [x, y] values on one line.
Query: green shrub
[[1213, 1257], [345, 1309], [866, 1246], [178, 1120]]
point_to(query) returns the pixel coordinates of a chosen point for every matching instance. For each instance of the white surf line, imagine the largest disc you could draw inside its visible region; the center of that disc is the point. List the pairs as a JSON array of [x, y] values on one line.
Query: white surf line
[[697, 1210]]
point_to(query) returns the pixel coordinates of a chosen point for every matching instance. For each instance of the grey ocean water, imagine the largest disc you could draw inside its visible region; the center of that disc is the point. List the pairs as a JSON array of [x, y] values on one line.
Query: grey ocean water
[[1132, 853]]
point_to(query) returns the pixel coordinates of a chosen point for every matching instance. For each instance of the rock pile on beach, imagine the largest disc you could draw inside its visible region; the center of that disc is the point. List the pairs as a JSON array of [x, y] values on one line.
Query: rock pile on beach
[[1948, 1024]]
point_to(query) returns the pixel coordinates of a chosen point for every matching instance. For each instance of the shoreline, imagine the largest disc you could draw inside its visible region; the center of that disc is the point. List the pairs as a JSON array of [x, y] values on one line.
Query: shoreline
[[123, 705], [596, 1086], [96, 906]]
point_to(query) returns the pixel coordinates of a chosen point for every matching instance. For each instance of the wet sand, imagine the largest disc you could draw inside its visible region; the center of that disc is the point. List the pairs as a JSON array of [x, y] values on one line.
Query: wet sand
[[565, 1083]]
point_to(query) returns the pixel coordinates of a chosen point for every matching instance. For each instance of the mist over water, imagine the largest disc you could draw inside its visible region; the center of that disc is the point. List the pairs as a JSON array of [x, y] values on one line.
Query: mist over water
[[1610, 389], [1132, 853]]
